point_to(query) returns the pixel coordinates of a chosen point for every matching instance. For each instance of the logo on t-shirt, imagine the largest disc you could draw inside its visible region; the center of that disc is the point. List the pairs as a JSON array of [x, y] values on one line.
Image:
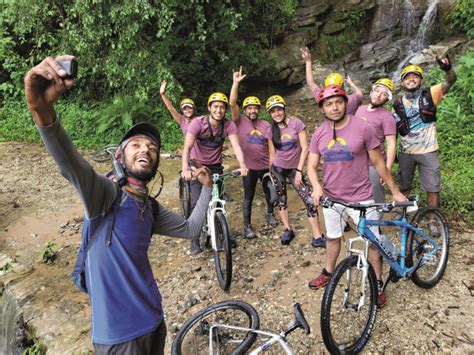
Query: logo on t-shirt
[[337, 150], [287, 143], [256, 137]]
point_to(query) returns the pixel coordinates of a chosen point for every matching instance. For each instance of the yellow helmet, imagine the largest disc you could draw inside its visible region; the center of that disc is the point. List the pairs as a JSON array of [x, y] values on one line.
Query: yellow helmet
[[386, 82], [334, 79], [217, 96], [275, 101], [251, 100], [412, 68], [186, 102]]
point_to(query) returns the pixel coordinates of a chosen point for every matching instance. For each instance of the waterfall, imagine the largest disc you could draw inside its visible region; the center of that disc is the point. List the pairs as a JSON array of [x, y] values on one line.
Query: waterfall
[[420, 39], [9, 314]]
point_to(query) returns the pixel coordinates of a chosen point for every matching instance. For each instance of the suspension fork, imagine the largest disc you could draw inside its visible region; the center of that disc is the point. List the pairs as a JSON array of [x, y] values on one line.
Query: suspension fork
[[363, 265]]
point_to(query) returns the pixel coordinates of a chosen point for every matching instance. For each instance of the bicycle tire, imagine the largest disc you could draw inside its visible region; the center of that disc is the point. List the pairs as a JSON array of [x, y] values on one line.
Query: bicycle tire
[[330, 310], [102, 155], [427, 276], [196, 326], [223, 252], [185, 197]]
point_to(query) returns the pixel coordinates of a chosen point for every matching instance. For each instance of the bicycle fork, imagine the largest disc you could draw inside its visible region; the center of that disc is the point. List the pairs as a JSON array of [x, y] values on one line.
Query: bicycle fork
[[363, 266]]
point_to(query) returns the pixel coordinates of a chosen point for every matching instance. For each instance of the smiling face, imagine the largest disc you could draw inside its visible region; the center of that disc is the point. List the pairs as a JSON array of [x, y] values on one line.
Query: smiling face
[[334, 108], [141, 158], [217, 110], [252, 111], [411, 81], [188, 111], [278, 114]]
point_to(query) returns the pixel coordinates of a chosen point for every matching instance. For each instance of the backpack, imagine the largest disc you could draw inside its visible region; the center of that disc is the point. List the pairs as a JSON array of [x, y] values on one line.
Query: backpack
[[108, 221]]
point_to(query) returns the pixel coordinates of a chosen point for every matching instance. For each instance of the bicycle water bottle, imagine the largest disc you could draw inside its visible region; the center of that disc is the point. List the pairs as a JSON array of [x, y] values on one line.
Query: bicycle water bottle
[[387, 246]]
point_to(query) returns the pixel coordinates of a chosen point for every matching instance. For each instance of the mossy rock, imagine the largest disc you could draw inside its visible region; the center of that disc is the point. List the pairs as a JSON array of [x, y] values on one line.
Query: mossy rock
[[333, 27]]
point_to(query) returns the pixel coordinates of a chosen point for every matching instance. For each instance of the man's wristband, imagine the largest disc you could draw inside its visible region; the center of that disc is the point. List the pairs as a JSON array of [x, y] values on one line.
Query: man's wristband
[[298, 170]]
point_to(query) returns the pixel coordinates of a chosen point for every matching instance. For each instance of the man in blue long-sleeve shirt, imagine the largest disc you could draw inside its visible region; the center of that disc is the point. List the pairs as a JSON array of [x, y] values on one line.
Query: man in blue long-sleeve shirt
[[127, 315]]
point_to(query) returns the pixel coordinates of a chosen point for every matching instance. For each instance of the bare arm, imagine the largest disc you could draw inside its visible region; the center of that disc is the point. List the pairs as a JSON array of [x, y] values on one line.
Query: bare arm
[[234, 140], [313, 163], [355, 89], [306, 54], [303, 139], [271, 152], [391, 149], [377, 161], [189, 141], [167, 102], [449, 81], [237, 78]]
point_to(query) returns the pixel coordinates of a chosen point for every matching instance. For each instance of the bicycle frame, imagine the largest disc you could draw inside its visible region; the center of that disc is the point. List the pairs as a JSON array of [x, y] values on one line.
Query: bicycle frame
[[274, 338]]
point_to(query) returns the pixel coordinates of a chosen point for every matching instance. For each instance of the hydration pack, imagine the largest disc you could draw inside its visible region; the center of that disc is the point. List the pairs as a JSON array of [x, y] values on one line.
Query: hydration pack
[[426, 106]]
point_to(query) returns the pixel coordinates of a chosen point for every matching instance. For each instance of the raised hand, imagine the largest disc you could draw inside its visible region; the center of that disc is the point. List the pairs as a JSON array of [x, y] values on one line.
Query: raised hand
[[45, 83], [444, 63], [306, 54], [163, 87], [238, 76]]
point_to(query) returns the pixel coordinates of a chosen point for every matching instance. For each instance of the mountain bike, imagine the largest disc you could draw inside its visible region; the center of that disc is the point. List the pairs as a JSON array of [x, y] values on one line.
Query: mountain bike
[[349, 304], [231, 327], [216, 231]]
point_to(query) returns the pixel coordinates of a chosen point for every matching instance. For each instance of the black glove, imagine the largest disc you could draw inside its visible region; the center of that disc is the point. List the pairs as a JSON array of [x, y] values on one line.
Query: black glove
[[444, 63]]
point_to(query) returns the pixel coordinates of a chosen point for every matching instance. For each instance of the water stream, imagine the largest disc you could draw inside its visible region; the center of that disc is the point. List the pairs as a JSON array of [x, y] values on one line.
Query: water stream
[[9, 315], [408, 24]]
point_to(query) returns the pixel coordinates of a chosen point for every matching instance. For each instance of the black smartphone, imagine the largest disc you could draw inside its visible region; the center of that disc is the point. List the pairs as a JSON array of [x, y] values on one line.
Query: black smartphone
[[70, 66]]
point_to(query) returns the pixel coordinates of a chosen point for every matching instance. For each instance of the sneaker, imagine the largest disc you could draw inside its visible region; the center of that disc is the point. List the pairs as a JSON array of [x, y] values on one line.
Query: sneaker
[[249, 233], [271, 220], [195, 247], [287, 237], [434, 228], [382, 300], [321, 281], [319, 242]]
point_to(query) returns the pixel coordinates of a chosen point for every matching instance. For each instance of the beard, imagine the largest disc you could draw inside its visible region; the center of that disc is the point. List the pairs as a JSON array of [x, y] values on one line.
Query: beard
[[143, 175], [377, 105]]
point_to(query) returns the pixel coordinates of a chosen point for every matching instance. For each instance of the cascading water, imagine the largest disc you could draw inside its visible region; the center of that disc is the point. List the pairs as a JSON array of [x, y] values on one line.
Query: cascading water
[[9, 314], [420, 39]]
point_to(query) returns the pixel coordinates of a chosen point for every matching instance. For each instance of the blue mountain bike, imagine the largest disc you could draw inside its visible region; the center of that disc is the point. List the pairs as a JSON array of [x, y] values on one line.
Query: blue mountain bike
[[349, 305]]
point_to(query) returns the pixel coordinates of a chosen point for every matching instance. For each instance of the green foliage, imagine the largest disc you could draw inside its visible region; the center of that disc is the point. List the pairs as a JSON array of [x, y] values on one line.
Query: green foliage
[[48, 252], [462, 17], [456, 138], [35, 349], [6, 268]]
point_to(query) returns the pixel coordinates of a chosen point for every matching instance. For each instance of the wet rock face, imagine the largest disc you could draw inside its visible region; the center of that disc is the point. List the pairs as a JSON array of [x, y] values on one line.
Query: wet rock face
[[387, 27]]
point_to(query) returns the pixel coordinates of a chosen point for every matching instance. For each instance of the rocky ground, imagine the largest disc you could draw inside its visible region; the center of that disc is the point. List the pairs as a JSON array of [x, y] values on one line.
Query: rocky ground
[[37, 206]]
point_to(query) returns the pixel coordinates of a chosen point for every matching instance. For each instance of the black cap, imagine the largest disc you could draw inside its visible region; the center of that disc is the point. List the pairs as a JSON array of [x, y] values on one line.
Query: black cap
[[145, 129]]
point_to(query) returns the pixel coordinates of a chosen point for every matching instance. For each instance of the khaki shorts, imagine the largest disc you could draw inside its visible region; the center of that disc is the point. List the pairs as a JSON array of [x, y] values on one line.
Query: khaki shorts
[[335, 219], [429, 169]]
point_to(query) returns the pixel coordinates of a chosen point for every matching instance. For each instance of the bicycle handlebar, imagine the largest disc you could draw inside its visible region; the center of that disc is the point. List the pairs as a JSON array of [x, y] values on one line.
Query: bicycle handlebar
[[327, 202]]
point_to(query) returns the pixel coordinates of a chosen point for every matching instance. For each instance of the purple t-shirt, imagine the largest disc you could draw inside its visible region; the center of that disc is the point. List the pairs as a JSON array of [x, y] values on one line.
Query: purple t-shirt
[[184, 124], [381, 120], [353, 101], [208, 149], [254, 142], [345, 161], [288, 156]]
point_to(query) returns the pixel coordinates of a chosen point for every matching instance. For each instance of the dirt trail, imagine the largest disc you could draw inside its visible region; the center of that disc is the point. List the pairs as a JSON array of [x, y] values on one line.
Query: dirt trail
[[37, 205]]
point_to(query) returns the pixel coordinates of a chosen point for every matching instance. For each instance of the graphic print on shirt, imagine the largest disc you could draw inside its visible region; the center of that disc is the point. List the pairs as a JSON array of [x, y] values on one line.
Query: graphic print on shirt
[[287, 143], [337, 150], [256, 137]]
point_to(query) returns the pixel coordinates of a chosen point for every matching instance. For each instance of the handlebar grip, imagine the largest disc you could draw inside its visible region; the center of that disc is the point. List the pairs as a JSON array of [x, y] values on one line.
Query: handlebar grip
[[236, 173], [404, 204]]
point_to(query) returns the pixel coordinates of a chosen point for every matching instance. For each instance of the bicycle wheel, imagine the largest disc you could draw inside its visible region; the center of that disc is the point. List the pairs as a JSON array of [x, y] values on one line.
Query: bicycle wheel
[[193, 337], [344, 326], [185, 197], [430, 271], [103, 154], [222, 253]]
